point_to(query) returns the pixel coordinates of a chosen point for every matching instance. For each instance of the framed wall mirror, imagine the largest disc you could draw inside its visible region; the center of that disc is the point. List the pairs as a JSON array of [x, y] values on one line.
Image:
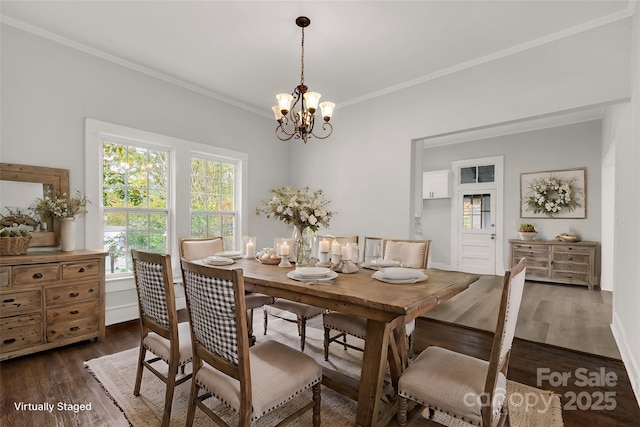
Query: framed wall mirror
[[23, 184]]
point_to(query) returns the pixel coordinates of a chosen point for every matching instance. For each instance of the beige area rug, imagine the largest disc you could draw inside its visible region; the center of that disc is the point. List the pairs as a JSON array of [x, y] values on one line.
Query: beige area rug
[[116, 373]]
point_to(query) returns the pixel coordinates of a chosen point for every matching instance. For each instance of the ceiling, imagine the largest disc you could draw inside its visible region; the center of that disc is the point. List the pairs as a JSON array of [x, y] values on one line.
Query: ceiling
[[244, 52]]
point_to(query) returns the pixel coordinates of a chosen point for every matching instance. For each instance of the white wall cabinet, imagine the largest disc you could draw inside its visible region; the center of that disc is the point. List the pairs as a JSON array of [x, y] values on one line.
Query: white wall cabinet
[[436, 184]]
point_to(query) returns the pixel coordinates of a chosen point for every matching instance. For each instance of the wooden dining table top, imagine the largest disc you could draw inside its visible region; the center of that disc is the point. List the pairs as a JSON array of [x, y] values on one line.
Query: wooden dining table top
[[387, 308]]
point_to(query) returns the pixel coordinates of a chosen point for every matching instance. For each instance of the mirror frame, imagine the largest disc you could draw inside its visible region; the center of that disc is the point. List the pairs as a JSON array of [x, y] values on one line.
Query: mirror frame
[[58, 179]]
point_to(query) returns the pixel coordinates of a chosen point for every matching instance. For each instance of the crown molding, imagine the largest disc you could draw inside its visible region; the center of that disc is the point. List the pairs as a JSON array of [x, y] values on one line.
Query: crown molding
[[577, 29], [128, 64]]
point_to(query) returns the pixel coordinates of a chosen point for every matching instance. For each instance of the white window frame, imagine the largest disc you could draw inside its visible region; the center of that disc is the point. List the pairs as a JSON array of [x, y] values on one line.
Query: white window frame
[[181, 151]]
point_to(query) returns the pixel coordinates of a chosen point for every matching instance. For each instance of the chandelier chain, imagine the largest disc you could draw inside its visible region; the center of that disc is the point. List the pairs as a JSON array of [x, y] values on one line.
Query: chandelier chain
[[302, 60]]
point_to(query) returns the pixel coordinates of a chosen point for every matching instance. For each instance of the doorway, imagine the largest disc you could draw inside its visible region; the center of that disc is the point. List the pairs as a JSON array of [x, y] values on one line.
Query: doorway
[[477, 242]]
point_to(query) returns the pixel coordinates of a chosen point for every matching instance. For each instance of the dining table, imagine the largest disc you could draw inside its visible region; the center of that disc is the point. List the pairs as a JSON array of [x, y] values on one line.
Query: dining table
[[387, 308]]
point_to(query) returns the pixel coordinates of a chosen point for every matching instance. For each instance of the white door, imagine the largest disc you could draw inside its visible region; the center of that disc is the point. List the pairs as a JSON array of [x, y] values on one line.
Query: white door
[[477, 231]]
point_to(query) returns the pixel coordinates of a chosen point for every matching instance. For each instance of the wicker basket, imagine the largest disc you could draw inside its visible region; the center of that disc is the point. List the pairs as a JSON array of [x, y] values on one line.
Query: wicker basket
[[14, 245]]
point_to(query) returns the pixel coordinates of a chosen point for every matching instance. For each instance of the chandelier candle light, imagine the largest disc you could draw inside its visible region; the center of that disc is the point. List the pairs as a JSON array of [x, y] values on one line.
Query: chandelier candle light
[[299, 124]]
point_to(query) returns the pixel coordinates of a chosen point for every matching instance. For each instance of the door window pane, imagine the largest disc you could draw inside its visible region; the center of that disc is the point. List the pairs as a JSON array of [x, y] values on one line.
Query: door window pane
[[476, 211]]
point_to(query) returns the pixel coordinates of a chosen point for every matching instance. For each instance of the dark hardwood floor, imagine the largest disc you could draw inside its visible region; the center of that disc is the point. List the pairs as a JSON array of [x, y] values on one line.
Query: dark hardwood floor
[[59, 376]]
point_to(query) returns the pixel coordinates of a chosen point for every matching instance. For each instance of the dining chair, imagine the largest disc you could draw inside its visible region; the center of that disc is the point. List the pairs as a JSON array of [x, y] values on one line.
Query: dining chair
[[192, 248], [253, 381], [160, 332], [411, 254], [443, 380], [371, 248], [302, 311]]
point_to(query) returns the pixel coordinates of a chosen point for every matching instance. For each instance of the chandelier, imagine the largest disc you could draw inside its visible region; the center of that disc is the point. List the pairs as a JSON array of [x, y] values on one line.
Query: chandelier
[[300, 123]]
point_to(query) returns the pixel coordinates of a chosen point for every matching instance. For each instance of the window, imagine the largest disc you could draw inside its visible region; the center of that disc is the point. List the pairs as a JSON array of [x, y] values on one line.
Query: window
[[477, 174], [148, 190], [213, 204], [135, 202], [476, 211]]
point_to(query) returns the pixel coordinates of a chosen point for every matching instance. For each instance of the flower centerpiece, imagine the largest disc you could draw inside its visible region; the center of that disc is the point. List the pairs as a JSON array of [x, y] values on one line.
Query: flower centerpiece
[[65, 209], [552, 195], [302, 208]]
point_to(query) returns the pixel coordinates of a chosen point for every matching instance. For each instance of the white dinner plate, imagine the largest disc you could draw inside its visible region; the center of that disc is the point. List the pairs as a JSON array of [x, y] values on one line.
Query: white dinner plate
[[230, 254], [379, 276], [319, 280], [380, 262], [218, 260], [312, 272]]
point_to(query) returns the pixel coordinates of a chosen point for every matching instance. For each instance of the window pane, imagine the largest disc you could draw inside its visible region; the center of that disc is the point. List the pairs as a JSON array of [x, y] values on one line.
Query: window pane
[[468, 175], [134, 180], [476, 211], [486, 173]]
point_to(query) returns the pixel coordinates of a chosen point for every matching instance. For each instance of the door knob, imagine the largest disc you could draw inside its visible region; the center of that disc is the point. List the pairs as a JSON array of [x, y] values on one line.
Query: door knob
[[493, 237]]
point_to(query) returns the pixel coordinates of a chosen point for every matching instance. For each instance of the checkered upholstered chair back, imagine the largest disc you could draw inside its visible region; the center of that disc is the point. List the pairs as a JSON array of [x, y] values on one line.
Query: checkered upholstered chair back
[[154, 285], [212, 308]]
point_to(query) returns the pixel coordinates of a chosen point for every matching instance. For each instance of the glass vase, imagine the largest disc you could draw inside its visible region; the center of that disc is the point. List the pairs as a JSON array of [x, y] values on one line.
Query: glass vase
[[302, 237]]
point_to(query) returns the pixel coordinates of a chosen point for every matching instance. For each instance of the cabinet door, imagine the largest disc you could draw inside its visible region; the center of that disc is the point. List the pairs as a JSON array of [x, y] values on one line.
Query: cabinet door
[[436, 185]]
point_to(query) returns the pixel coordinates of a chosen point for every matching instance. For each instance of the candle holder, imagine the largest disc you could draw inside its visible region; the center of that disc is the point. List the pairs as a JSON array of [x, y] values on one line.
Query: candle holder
[[284, 261], [343, 266], [323, 259]]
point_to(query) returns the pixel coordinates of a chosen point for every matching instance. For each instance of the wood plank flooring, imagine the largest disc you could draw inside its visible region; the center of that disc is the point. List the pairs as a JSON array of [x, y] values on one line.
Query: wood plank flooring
[[59, 376], [564, 315]]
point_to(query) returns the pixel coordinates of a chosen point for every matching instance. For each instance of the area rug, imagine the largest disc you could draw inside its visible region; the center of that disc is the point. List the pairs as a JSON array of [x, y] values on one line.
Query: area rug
[[116, 374]]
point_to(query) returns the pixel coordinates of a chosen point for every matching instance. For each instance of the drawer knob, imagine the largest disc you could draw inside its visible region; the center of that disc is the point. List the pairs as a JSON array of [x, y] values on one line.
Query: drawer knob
[[9, 341], [9, 300], [73, 312], [37, 276], [74, 294], [74, 328], [81, 270]]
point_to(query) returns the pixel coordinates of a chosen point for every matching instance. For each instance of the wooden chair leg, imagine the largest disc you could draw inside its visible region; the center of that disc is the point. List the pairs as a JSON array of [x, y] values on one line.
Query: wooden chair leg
[[316, 406], [326, 343], [403, 404], [168, 397], [302, 328], [266, 320], [191, 408], [136, 388]]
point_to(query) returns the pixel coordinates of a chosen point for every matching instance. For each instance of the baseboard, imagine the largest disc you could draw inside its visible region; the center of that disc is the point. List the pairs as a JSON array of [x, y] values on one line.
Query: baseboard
[[121, 313], [439, 266], [628, 360]]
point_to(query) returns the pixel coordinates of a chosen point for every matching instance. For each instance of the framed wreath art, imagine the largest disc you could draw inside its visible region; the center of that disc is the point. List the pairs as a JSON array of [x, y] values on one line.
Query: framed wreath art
[[553, 194]]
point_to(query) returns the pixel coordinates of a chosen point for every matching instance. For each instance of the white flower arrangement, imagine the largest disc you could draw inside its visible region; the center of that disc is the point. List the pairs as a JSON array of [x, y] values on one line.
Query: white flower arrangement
[[62, 206], [297, 206], [552, 195]]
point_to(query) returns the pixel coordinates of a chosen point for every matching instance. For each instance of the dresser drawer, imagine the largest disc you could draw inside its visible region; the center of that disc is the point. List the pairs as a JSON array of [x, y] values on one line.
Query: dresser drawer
[[61, 331], [570, 257], [18, 338], [72, 312], [534, 263], [537, 273], [70, 294], [20, 302], [13, 322], [571, 267], [5, 277], [572, 249], [35, 274], [533, 253], [570, 277], [81, 270]]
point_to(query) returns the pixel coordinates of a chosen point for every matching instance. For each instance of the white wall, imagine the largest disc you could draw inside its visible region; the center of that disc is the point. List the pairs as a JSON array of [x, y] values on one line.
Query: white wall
[[49, 89], [626, 297]]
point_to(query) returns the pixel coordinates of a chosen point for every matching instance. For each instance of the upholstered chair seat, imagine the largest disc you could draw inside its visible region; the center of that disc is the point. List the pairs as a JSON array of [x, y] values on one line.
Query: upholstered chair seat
[[270, 387], [161, 346], [454, 377]]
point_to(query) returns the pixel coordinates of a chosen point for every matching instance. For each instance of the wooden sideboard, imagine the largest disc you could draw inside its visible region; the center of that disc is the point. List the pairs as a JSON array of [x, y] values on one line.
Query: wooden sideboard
[[50, 299], [555, 261]]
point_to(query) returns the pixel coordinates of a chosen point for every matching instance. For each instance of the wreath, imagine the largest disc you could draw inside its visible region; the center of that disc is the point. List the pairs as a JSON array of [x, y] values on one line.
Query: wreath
[[552, 195]]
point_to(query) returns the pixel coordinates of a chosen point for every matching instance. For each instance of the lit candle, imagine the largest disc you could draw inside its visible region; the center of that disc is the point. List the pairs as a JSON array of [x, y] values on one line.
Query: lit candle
[[323, 245], [251, 250], [284, 249], [335, 248], [346, 253]]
